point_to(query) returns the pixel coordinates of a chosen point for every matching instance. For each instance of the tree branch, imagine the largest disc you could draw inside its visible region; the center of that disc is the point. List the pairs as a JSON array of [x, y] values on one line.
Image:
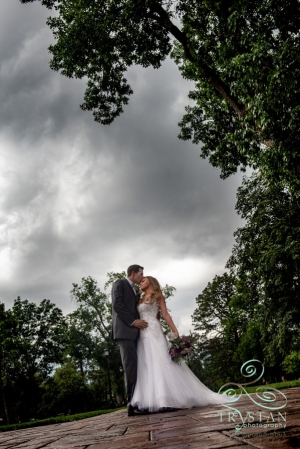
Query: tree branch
[[207, 72]]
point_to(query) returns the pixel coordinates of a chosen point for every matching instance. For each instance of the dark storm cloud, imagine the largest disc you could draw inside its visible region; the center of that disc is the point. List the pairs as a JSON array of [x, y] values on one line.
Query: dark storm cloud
[[82, 199]]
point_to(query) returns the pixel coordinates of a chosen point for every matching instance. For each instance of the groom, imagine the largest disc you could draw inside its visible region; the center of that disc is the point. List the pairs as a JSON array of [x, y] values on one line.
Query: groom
[[126, 323]]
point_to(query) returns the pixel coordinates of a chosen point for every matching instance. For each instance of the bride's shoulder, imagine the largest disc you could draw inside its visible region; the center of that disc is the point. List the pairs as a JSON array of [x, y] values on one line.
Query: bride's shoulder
[[161, 296], [160, 299]]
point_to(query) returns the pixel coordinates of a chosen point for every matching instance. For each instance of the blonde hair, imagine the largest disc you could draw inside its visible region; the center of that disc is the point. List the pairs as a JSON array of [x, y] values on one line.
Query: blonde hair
[[156, 294]]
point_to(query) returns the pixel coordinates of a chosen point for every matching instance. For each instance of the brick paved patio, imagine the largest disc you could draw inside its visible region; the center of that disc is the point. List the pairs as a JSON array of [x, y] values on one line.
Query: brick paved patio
[[210, 427]]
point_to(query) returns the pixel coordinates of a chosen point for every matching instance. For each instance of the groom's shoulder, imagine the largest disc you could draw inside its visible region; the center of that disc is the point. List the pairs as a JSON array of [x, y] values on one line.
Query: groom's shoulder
[[119, 287], [121, 282]]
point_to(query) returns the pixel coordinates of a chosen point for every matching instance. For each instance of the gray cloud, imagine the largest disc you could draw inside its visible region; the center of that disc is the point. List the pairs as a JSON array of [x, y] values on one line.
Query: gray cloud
[[80, 199]]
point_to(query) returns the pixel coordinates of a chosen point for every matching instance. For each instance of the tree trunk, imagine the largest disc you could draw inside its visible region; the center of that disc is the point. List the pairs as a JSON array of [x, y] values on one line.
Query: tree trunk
[[5, 408]]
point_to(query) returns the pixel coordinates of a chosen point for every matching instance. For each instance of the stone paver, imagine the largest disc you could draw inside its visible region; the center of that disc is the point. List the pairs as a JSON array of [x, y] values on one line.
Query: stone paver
[[212, 427]]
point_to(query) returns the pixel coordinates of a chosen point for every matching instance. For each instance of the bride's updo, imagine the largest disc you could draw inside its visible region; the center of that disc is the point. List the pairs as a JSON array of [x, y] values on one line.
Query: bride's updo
[[156, 290]]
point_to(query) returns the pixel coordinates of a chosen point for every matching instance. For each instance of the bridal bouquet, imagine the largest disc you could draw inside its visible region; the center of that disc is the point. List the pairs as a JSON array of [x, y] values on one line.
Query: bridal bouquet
[[180, 347]]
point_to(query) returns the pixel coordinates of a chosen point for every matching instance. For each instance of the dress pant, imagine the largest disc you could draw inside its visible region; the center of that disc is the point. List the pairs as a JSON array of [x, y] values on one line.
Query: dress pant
[[128, 350]]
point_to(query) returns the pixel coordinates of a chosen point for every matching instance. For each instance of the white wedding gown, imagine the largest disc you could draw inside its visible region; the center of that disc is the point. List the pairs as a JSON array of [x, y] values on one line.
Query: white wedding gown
[[161, 382]]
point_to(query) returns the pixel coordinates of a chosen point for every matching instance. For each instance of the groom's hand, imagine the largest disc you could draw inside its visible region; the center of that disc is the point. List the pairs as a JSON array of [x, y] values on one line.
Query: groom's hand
[[141, 324]]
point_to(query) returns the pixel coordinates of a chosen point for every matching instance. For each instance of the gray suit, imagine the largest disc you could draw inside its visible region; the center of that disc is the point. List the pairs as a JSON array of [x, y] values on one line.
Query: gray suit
[[124, 312]]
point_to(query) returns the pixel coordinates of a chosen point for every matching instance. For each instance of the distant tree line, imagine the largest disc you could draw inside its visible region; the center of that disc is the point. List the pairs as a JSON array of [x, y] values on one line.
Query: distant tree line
[[52, 364]]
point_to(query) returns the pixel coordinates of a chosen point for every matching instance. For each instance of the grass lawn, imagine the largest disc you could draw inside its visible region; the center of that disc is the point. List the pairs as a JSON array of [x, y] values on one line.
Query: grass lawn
[[278, 386], [57, 419]]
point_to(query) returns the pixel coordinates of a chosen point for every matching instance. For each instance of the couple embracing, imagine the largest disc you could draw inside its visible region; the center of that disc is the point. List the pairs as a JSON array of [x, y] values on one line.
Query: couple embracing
[[153, 381]]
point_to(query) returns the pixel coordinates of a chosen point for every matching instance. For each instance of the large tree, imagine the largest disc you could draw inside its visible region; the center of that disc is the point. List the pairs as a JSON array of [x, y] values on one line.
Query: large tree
[[254, 311], [243, 56], [9, 355], [41, 330], [266, 260], [66, 392], [219, 325], [90, 341], [32, 343]]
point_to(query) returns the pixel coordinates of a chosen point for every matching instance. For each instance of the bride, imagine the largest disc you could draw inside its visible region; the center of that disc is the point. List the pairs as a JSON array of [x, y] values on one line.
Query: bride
[[162, 383]]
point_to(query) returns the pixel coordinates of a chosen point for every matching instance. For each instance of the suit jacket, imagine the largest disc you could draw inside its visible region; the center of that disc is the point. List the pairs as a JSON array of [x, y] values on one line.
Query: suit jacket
[[124, 310]]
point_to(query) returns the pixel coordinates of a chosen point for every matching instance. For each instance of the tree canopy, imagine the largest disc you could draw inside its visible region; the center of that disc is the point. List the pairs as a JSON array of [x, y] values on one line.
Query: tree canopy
[[32, 343], [242, 55], [254, 312], [265, 259]]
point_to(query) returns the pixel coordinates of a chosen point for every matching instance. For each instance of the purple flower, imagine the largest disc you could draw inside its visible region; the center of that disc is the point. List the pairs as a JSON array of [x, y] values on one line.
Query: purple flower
[[182, 347]]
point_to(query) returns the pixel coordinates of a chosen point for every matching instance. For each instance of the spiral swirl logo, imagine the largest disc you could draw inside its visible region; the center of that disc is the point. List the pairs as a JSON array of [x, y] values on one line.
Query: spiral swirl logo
[[270, 400]]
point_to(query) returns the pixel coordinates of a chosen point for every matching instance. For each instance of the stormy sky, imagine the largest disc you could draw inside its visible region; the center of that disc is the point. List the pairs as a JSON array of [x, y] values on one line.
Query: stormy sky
[[82, 199]]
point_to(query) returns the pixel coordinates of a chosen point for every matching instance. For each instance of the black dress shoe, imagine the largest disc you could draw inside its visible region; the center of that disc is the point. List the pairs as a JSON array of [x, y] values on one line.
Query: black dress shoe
[[141, 412], [168, 409], [130, 410]]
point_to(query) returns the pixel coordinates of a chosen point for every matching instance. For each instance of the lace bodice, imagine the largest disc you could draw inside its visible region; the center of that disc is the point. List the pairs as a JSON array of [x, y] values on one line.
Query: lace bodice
[[148, 312]]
